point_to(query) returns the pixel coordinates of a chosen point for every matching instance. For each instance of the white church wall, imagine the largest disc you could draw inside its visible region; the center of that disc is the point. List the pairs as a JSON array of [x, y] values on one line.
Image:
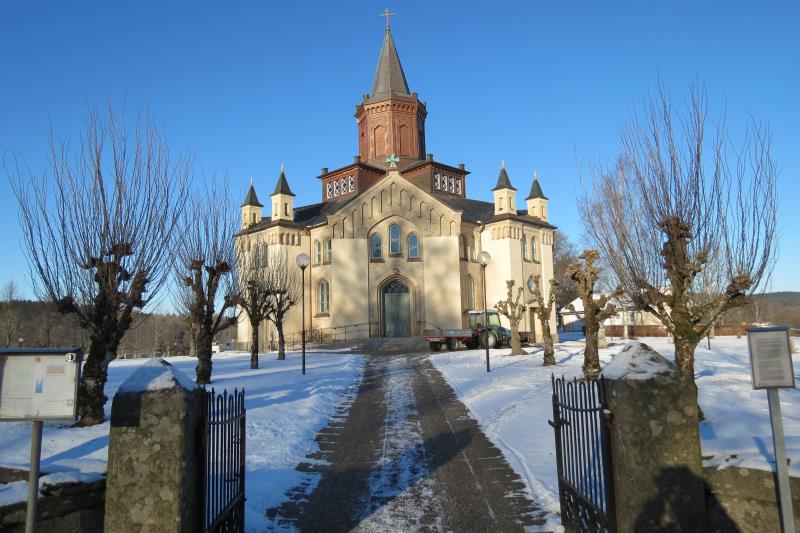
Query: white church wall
[[350, 284], [442, 287]]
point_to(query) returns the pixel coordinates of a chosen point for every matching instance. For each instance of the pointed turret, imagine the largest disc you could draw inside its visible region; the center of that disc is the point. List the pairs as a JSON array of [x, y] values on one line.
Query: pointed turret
[[504, 193], [536, 200], [390, 80], [282, 199], [251, 207]]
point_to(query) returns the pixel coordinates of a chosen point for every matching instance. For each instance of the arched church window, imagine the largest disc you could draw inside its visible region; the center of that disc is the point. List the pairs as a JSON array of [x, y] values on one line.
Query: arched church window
[[462, 248], [323, 297], [471, 249], [524, 244], [413, 246], [394, 239], [375, 251], [326, 251], [317, 253], [534, 255], [264, 259], [469, 287]]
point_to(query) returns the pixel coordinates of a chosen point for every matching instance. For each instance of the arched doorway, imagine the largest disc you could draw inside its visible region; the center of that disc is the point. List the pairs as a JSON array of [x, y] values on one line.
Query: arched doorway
[[396, 299]]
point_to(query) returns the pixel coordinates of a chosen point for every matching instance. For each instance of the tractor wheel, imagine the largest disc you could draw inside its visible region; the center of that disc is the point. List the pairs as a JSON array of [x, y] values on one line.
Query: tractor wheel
[[452, 344], [436, 346]]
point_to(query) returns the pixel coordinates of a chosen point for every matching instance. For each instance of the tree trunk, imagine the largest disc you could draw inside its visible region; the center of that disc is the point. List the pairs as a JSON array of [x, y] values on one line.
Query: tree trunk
[[591, 359], [684, 356], [549, 352], [516, 346], [281, 341], [253, 345], [203, 371], [91, 398]]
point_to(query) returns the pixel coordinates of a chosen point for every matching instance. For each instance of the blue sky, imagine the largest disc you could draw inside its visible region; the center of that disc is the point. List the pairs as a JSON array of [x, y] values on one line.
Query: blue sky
[[542, 85]]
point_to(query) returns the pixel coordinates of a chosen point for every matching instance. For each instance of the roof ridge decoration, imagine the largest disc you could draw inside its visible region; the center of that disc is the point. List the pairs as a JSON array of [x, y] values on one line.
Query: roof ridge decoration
[[502, 180], [251, 199], [390, 80], [536, 189], [282, 187]]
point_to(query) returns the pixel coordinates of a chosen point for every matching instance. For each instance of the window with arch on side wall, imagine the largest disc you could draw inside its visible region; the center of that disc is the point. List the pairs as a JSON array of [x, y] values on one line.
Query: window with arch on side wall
[[534, 255], [394, 240], [469, 287], [413, 246], [375, 251], [462, 247], [524, 244], [326, 250], [323, 297], [317, 253], [471, 249]]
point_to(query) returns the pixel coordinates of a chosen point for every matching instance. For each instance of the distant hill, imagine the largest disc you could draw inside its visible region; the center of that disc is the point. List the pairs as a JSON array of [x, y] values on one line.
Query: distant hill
[[782, 299]]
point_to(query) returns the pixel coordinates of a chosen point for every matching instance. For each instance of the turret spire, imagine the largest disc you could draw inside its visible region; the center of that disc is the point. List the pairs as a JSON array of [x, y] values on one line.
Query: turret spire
[[390, 80]]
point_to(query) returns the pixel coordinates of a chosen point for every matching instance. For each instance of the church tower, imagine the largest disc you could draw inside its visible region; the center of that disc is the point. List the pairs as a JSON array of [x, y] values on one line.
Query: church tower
[[504, 194], [282, 199], [251, 208], [536, 200], [391, 119]]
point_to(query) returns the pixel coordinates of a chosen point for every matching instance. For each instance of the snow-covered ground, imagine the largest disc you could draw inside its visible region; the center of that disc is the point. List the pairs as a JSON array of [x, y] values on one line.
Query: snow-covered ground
[[513, 404], [285, 410]]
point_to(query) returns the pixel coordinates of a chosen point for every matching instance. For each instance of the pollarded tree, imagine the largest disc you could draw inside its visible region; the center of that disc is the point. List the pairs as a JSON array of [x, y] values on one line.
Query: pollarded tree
[[255, 291], [686, 220], [284, 288], [596, 307], [513, 310], [206, 270], [544, 311], [100, 233]]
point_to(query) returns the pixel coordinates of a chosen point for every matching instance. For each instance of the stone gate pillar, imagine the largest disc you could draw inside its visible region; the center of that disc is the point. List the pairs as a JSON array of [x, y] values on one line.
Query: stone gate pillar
[[154, 448], [655, 443]]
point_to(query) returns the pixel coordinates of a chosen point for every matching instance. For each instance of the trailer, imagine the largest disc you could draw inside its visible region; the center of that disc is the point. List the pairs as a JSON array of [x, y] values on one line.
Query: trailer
[[476, 336]]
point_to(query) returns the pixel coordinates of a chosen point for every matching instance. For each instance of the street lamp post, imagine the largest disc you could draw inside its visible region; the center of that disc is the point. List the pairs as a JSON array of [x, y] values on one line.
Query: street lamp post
[[302, 261], [484, 259]]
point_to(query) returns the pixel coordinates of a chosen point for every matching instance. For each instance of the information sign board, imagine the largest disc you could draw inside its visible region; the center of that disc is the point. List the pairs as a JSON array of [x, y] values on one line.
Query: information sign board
[[39, 384], [770, 358]]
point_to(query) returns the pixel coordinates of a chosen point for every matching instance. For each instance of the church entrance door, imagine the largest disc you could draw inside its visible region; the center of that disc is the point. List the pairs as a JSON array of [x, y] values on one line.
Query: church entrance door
[[396, 309]]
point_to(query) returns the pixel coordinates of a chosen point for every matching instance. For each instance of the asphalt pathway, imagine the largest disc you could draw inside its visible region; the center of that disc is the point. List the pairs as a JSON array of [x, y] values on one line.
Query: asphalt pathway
[[406, 457]]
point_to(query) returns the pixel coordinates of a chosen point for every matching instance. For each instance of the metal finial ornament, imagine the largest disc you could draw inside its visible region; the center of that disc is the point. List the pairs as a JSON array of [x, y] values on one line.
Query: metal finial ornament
[[387, 14], [281, 168], [503, 163], [251, 181], [392, 159], [535, 176]]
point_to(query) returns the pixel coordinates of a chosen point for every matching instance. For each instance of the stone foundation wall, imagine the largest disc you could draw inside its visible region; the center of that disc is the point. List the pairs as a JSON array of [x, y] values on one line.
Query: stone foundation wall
[[745, 500], [67, 507]]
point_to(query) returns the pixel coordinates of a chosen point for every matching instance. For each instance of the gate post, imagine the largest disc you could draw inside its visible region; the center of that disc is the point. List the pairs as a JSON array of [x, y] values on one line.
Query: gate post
[[655, 443], [153, 453]]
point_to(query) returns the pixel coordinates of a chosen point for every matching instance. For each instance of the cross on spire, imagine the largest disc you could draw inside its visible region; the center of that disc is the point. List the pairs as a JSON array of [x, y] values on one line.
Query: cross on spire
[[387, 14]]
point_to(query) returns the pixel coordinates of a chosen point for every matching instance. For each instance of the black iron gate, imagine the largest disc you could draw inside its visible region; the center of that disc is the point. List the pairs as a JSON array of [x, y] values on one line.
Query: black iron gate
[[223, 479], [582, 424]]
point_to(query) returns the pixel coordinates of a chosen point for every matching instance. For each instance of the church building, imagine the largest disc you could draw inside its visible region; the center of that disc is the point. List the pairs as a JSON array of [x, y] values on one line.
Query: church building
[[395, 241]]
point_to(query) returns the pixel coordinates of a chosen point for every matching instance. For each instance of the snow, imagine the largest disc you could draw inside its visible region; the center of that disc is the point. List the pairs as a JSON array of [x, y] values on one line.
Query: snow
[[637, 361], [156, 374], [513, 404], [285, 411]]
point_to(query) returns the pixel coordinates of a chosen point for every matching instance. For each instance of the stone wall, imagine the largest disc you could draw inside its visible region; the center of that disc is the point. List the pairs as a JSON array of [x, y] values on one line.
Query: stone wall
[[65, 506], [745, 500]]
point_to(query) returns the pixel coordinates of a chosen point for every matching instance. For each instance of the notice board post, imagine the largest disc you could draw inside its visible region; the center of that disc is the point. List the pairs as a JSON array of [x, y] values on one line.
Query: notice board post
[[771, 369], [38, 384]]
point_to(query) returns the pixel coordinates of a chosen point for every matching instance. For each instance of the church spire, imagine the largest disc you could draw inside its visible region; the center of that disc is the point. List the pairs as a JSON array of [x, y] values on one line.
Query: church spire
[[389, 77]]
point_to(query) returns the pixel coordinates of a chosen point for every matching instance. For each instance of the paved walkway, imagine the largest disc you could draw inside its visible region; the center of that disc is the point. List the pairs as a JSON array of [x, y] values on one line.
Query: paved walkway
[[407, 458]]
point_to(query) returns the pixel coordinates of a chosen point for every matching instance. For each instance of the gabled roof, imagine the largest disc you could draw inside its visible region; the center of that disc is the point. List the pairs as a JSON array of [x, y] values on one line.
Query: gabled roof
[[251, 198], [282, 187], [503, 182], [536, 190], [389, 77]]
